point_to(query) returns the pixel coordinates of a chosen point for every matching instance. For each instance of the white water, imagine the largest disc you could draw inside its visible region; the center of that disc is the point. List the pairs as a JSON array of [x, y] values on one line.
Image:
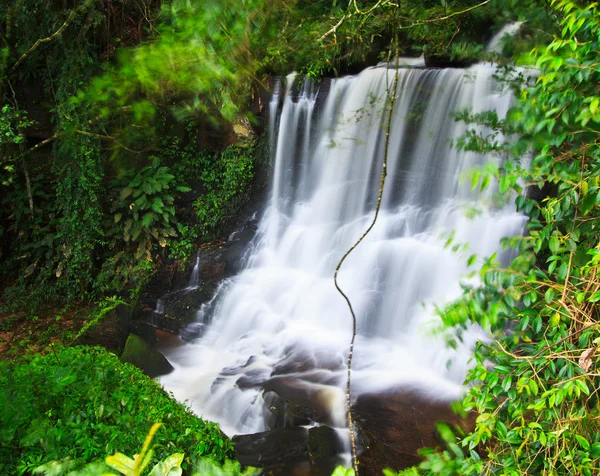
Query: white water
[[194, 281], [497, 42], [282, 315]]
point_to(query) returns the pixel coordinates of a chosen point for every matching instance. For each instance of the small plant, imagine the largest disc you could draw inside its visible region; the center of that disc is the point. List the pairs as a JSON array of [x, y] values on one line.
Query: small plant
[[142, 220]]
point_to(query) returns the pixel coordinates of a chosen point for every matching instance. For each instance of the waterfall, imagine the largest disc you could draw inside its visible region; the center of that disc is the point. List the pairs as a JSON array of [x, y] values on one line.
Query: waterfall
[[497, 42], [281, 319], [194, 280]]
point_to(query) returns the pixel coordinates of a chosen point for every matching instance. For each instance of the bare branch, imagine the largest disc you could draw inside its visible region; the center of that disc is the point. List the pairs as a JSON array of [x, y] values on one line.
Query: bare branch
[[392, 98], [356, 12], [39, 145], [53, 36], [381, 3], [445, 17]]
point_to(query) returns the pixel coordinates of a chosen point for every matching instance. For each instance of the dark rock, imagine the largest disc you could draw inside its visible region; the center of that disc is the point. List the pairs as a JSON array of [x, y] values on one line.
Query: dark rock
[[149, 360], [234, 257], [294, 389], [323, 467], [271, 447], [107, 331], [392, 429], [143, 330], [299, 411], [253, 378], [286, 413], [323, 442], [446, 61], [213, 271]]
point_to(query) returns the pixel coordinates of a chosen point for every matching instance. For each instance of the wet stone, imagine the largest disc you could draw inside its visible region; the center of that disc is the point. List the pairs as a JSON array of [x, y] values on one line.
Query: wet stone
[[323, 442], [271, 447]]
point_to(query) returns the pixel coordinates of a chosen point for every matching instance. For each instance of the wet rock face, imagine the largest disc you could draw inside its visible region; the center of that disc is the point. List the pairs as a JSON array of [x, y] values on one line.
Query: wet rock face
[[139, 353], [172, 299], [288, 451], [393, 427], [270, 448], [323, 442]]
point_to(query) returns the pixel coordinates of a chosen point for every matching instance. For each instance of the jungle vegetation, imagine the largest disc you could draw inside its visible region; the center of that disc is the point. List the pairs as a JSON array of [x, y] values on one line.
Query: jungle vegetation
[[115, 113]]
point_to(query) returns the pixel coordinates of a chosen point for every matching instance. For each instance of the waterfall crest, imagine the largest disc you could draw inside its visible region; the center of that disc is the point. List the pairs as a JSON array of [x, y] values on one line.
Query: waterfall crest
[[281, 318]]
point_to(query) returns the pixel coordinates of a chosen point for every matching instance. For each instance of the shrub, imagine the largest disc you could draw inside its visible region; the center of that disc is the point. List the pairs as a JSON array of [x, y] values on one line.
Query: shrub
[[82, 403]]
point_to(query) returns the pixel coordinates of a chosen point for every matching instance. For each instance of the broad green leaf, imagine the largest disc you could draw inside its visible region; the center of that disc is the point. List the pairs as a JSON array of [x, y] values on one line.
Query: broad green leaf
[[123, 464], [171, 466], [583, 442], [595, 450], [125, 192]]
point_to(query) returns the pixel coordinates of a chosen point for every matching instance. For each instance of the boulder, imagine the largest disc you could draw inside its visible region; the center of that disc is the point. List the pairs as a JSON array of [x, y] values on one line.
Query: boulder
[[108, 331], [323, 442], [272, 447], [392, 428], [286, 413], [137, 352]]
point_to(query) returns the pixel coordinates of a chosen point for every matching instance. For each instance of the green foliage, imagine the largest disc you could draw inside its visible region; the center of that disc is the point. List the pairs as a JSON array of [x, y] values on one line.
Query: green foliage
[[136, 466], [142, 219], [226, 181], [199, 62], [80, 215], [83, 403], [534, 387], [12, 124]]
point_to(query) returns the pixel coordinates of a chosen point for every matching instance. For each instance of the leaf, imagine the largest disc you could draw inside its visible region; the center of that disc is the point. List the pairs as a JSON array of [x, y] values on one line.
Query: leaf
[[125, 192], [583, 386], [341, 471], [59, 269], [585, 360], [171, 466], [142, 460], [147, 219], [29, 270], [123, 464], [588, 202], [554, 244], [118, 217], [583, 442], [595, 450]]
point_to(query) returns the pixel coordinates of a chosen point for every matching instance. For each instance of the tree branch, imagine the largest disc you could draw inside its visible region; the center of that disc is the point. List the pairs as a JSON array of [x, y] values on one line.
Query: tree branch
[[53, 36]]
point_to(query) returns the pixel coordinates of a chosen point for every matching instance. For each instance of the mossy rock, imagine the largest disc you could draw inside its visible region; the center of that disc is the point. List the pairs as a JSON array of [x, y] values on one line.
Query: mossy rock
[[107, 331], [323, 442], [137, 352]]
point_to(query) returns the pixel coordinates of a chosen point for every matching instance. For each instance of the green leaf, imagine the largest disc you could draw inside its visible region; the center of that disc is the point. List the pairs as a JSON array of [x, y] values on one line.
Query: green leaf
[[123, 464], [147, 219], [171, 466], [583, 442], [125, 192], [595, 450]]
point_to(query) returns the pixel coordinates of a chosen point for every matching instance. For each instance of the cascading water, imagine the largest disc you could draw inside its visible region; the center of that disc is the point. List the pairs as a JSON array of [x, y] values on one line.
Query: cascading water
[[281, 319], [194, 280]]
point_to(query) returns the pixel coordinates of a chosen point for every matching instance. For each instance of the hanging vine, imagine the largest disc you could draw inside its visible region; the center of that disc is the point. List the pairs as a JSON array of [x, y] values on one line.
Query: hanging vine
[[392, 99]]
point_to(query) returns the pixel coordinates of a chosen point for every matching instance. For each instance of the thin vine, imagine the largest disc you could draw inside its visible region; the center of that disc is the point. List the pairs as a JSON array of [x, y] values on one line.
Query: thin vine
[[337, 269]]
